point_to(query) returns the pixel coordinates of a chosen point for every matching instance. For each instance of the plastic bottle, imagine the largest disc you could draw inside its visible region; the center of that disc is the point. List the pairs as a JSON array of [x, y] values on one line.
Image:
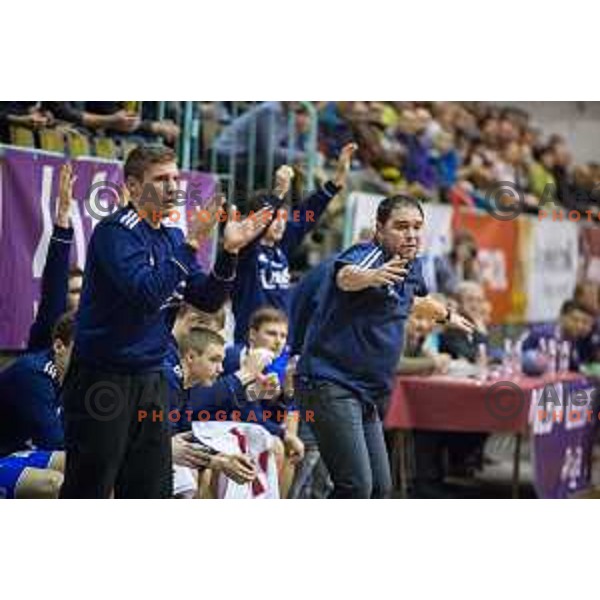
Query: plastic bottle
[[552, 355], [518, 357], [564, 360], [507, 359], [482, 363]]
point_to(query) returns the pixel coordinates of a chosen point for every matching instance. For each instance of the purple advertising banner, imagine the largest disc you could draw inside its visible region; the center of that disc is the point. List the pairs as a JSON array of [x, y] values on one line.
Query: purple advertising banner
[[28, 191], [563, 430]]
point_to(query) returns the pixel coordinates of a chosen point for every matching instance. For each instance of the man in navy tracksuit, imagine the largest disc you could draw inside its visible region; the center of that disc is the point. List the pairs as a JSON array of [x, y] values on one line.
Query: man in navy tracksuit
[[138, 272], [353, 344], [263, 275]]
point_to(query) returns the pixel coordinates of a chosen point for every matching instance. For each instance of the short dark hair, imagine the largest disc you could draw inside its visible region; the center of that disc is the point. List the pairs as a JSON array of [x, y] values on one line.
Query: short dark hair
[[263, 199], [199, 339], [141, 157], [64, 328], [387, 205], [266, 314], [570, 306], [216, 318]]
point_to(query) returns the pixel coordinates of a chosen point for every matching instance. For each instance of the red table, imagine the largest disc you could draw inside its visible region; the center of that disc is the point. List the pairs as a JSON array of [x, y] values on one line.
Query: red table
[[442, 403]]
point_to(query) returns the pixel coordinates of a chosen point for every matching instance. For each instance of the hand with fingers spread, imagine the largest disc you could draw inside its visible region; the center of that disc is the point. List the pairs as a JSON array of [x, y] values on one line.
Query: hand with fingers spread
[[203, 221], [65, 195], [344, 164], [390, 273], [354, 279], [239, 233]]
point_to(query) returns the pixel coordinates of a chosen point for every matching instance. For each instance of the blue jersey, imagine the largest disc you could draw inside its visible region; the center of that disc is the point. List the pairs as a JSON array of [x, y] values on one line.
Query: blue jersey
[[12, 468], [355, 338], [54, 289], [263, 277], [30, 408], [136, 278]]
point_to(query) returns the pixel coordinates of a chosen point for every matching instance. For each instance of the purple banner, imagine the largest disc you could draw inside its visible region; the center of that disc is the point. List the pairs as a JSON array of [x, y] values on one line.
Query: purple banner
[[564, 422], [28, 192]]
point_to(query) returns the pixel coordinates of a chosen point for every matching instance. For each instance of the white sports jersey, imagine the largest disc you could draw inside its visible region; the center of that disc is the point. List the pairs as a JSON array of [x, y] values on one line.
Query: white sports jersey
[[254, 441]]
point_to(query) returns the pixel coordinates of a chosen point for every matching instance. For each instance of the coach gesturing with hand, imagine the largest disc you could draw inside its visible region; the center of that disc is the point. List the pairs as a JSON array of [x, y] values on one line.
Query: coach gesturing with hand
[[137, 273], [353, 343]]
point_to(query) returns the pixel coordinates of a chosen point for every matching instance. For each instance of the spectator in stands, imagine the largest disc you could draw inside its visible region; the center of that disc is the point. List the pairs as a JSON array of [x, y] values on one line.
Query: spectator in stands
[[268, 122], [416, 358], [445, 161], [466, 449], [380, 155], [412, 135], [541, 178], [428, 446], [471, 305], [115, 117], [561, 169], [29, 114], [509, 165], [334, 128], [460, 264]]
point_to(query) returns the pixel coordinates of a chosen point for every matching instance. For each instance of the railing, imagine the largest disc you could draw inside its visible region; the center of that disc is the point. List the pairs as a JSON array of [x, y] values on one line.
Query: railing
[[196, 150], [263, 170]]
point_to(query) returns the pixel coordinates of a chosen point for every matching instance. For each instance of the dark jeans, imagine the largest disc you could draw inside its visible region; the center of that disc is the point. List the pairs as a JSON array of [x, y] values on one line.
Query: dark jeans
[[108, 445], [351, 441]]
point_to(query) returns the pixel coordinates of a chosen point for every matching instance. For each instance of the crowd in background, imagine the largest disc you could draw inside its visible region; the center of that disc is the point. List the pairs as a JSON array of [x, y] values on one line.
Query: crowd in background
[[448, 151]]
